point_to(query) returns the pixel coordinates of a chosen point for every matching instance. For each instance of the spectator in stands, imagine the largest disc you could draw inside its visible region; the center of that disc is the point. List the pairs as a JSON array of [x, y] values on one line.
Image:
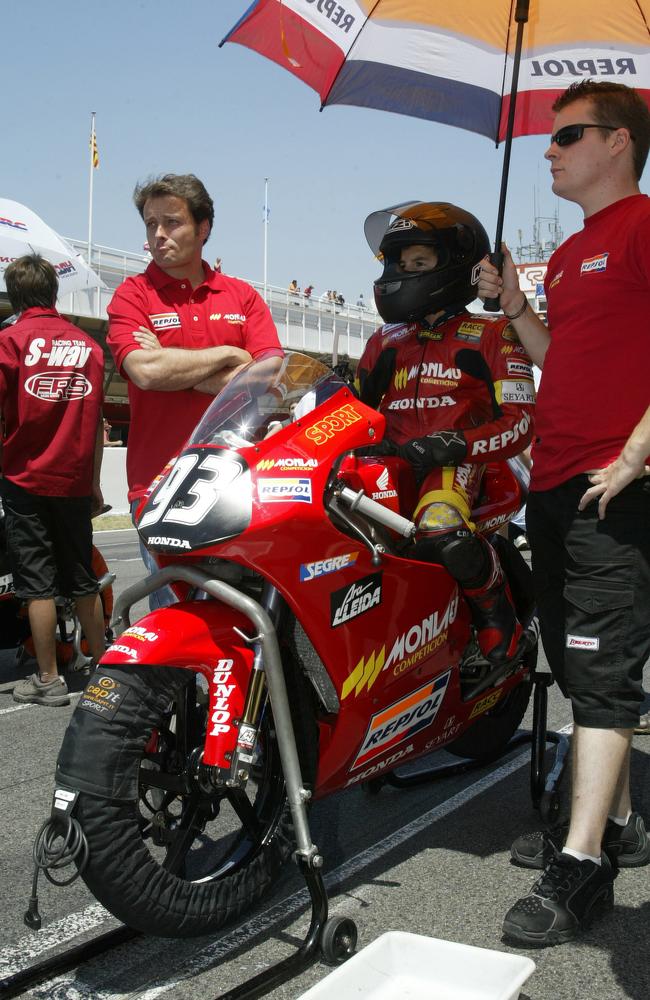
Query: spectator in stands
[[294, 288], [217, 265], [51, 376], [308, 290], [180, 331], [361, 301]]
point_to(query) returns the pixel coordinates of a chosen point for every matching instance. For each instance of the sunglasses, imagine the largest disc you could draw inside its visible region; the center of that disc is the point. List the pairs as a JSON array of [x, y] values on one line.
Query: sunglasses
[[573, 133]]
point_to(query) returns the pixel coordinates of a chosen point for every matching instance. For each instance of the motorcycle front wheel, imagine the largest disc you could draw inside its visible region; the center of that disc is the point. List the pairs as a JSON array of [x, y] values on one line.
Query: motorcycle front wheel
[[171, 853]]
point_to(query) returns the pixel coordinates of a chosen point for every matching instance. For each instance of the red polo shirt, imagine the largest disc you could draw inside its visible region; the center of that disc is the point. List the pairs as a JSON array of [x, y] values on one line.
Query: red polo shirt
[[51, 376], [222, 310], [595, 385]]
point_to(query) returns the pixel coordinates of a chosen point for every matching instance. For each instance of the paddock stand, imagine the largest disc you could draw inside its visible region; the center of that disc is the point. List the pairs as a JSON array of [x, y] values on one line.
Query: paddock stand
[[544, 789]]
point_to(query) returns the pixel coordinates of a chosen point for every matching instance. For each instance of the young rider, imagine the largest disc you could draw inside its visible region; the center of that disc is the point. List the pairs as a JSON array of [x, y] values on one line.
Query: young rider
[[457, 392]]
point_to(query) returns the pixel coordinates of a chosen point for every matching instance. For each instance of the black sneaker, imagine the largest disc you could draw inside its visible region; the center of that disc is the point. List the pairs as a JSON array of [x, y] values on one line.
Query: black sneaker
[[563, 901], [626, 846]]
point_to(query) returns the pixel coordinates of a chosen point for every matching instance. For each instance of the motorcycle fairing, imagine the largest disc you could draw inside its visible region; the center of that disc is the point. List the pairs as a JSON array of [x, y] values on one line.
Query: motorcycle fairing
[[199, 636], [204, 498]]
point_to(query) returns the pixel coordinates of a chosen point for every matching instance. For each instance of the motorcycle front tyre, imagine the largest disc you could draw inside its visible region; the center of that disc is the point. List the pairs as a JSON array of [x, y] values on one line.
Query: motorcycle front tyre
[[226, 847]]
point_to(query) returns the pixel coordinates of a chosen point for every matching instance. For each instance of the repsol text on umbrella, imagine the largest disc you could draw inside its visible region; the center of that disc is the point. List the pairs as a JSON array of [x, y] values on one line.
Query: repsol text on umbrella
[[336, 13], [583, 67]]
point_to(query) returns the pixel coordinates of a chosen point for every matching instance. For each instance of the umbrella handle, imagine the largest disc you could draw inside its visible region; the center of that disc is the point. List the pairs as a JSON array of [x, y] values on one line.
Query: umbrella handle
[[494, 305]]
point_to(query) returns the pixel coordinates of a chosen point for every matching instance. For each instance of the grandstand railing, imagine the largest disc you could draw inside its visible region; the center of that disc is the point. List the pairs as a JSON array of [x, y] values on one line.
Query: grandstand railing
[[313, 324]]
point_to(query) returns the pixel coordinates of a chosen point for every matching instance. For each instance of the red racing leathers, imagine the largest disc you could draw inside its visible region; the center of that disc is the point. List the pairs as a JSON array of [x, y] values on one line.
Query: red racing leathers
[[463, 391], [469, 374]]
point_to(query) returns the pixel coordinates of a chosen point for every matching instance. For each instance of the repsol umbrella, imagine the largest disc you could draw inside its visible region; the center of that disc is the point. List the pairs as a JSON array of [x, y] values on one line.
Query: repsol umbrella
[[490, 67], [23, 232]]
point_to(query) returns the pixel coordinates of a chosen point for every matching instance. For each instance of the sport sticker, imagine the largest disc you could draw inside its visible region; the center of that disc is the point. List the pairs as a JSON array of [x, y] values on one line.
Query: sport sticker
[[103, 696], [402, 720]]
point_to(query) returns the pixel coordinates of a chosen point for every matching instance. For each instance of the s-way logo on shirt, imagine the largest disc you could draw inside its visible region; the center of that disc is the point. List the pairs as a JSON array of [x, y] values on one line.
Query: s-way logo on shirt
[[62, 354], [61, 386], [162, 321]]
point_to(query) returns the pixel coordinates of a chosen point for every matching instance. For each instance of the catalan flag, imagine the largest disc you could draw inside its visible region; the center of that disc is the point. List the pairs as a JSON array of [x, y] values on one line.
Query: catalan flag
[[94, 152]]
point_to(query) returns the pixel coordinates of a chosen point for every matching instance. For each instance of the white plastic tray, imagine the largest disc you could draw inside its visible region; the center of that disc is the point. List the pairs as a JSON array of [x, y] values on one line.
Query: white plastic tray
[[400, 966]]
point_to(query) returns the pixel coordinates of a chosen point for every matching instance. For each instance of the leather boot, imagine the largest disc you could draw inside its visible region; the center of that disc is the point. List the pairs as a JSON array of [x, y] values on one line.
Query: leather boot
[[500, 635]]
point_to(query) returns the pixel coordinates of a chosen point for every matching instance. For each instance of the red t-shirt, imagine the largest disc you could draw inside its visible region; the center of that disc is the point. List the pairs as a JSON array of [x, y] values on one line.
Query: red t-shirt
[[595, 385], [222, 310], [51, 376]]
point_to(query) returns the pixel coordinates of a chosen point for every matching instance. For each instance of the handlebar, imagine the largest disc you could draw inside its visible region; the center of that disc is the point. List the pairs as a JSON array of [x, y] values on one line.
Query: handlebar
[[359, 501]]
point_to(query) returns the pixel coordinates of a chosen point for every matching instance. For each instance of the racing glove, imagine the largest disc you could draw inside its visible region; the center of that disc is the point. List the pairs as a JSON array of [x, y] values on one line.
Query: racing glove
[[441, 448]]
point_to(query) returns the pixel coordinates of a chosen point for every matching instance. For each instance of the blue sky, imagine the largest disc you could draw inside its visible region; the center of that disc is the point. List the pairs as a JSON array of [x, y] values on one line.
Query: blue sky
[[168, 99]]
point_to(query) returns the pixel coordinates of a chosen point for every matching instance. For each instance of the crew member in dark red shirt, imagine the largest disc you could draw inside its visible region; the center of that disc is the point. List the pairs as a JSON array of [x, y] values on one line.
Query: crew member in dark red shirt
[[51, 376], [180, 330], [457, 391]]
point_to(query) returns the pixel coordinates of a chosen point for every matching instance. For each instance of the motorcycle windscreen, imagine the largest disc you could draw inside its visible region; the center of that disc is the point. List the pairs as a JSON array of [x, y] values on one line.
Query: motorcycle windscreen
[[205, 498]]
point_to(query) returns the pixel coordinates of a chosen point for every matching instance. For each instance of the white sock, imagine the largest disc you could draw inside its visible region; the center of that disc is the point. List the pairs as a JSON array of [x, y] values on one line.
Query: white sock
[[619, 820], [579, 856]]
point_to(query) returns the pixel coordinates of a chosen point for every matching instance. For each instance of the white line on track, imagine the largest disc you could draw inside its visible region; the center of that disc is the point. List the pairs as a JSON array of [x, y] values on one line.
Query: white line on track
[[20, 707], [65, 930]]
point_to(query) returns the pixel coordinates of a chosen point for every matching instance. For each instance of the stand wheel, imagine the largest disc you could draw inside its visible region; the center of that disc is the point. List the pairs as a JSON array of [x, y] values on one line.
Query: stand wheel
[[549, 808], [338, 940]]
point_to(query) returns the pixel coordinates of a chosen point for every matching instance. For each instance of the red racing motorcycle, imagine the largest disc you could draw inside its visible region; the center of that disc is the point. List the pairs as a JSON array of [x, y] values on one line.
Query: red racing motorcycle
[[308, 653]]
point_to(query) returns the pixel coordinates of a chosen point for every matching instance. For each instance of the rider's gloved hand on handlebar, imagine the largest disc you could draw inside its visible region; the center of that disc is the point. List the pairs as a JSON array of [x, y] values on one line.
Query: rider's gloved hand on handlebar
[[441, 448]]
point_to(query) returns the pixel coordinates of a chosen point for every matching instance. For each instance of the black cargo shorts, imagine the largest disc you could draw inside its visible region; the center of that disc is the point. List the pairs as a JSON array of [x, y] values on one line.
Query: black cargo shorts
[[592, 584]]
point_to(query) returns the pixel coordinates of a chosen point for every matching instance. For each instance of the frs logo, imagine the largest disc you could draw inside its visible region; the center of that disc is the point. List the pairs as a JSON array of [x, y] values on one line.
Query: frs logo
[[64, 387]]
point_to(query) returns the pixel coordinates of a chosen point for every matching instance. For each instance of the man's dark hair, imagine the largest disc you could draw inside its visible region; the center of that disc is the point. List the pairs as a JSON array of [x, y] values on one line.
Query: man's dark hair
[[31, 281], [615, 104], [185, 186]]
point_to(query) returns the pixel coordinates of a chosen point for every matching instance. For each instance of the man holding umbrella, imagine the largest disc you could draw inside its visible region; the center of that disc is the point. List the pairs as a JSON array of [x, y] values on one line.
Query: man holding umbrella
[[591, 562]]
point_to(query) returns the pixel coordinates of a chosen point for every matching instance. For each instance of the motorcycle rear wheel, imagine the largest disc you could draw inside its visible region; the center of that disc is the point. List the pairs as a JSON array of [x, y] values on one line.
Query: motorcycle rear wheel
[[169, 854]]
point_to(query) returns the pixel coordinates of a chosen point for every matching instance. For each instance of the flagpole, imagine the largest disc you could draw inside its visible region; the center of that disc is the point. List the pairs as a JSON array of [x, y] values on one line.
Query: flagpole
[[90, 190], [93, 146], [266, 233]]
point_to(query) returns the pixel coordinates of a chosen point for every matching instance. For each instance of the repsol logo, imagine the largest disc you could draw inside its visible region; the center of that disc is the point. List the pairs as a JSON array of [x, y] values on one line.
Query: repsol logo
[[335, 12], [503, 440], [583, 67]]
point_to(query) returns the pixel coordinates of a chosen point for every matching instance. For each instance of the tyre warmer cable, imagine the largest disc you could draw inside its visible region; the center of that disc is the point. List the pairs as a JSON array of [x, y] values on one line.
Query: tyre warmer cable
[[59, 843]]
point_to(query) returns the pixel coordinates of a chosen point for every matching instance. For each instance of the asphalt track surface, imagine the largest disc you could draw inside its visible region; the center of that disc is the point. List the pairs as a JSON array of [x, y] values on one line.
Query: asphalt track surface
[[431, 860]]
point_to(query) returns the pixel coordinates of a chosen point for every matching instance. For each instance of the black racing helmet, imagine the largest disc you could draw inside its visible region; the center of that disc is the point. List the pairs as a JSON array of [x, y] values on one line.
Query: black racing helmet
[[458, 238]]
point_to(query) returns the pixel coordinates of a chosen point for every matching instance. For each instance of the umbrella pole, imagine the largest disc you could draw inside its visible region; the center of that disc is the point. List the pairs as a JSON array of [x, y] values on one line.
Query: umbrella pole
[[496, 258]]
